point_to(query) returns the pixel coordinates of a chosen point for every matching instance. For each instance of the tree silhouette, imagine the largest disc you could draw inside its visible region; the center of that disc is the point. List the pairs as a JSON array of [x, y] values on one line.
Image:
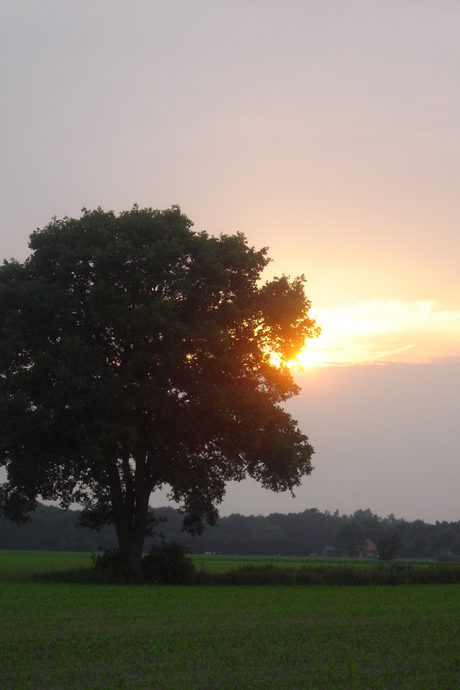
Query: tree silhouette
[[350, 537], [136, 353]]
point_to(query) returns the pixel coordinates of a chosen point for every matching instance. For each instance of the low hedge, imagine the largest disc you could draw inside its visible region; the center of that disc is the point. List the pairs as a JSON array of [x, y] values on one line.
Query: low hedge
[[392, 574], [327, 575]]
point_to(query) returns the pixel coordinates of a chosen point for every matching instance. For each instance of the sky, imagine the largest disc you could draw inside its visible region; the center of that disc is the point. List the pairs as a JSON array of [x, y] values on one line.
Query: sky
[[326, 130]]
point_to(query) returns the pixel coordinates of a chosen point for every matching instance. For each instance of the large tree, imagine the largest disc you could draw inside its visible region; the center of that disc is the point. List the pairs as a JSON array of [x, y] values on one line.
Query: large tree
[[137, 353], [389, 544], [350, 537]]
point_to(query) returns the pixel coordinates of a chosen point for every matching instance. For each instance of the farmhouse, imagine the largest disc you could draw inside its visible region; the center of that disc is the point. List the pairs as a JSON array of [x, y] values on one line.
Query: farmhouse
[[368, 550], [331, 551]]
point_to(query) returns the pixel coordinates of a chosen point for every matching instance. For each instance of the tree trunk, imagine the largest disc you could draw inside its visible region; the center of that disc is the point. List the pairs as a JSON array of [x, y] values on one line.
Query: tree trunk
[[135, 551], [130, 524]]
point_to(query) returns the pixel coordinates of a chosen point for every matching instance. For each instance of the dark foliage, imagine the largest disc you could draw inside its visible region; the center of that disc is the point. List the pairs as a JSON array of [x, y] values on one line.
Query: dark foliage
[[167, 563], [112, 564], [137, 353], [332, 575], [295, 534], [323, 575], [446, 557], [350, 537], [53, 529], [389, 544]]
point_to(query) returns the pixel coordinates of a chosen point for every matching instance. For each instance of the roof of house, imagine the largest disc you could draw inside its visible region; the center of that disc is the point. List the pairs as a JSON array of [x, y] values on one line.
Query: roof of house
[[369, 546]]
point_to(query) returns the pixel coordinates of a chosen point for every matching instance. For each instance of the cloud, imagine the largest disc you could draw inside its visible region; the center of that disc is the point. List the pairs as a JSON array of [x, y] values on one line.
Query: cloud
[[384, 330]]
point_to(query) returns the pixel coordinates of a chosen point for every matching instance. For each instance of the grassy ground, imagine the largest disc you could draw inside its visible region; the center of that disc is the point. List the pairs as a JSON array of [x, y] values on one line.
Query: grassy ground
[[56, 636], [19, 566], [222, 564], [90, 636]]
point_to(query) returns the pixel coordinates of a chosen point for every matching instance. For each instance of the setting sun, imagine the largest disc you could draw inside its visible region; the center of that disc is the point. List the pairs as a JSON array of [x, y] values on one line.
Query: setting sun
[[380, 331]]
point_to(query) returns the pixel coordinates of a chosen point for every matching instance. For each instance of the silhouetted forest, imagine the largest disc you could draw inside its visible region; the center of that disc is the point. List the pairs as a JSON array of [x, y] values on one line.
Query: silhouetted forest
[[295, 534]]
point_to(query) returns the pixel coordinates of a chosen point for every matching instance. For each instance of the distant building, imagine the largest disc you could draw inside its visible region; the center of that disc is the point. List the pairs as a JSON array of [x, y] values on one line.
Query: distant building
[[369, 550], [330, 551]]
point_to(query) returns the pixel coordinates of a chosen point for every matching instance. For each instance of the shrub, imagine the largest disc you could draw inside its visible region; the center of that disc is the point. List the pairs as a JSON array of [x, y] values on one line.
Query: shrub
[[168, 563], [446, 556], [112, 565], [330, 575]]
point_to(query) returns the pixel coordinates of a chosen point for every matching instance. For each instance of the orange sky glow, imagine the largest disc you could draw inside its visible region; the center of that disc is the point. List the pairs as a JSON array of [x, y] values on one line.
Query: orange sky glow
[[327, 131], [383, 331]]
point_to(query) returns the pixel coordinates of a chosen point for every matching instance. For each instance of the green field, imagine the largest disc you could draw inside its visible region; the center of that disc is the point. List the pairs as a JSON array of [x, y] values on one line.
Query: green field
[[21, 565], [222, 564], [115, 636]]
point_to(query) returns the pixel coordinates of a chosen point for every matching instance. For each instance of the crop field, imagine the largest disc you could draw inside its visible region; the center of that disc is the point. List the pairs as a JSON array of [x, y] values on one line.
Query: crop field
[[222, 564], [116, 636], [93, 636], [21, 565]]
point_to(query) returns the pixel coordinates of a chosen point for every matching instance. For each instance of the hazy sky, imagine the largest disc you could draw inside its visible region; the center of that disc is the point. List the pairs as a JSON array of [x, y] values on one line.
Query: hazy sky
[[326, 130]]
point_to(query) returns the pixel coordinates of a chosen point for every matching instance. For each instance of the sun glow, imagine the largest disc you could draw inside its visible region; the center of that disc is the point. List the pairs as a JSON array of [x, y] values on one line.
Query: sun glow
[[382, 331]]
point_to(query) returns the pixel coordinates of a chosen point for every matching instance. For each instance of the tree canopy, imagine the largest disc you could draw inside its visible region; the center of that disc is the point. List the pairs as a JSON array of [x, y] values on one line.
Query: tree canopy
[[350, 537], [294, 534], [137, 353], [390, 543]]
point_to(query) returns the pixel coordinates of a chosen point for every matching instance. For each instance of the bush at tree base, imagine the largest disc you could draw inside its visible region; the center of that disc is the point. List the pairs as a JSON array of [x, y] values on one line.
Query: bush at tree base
[[167, 570], [168, 564], [112, 564]]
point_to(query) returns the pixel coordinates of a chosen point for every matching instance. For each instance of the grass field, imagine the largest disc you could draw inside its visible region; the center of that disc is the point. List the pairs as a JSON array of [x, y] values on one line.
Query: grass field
[[222, 564], [59, 636], [21, 565]]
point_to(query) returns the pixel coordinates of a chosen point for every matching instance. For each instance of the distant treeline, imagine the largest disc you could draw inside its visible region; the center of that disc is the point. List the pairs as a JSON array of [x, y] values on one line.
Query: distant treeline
[[295, 534]]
